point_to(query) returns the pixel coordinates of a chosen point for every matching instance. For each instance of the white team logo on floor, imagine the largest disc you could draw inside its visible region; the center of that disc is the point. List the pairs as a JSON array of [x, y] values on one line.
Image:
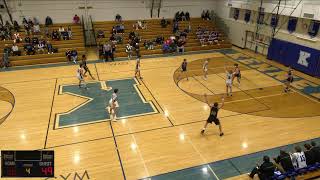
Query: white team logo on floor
[[303, 58]]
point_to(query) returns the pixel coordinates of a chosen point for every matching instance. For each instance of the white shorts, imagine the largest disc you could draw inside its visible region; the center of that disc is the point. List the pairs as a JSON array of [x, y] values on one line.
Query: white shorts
[[229, 83], [80, 78], [205, 69], [115, 104]]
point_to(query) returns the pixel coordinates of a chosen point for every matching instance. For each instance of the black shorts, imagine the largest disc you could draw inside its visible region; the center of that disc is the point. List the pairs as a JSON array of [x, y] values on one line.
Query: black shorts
[[238, 75], [213, 119], [290, 80], [184, 69]]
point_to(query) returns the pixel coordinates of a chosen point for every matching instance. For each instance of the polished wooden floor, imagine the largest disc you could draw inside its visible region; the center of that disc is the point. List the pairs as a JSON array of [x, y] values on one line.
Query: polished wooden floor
[[170, 140]]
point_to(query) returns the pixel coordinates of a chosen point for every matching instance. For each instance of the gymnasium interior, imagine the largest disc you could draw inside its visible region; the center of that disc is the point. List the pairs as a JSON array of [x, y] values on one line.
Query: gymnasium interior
[[122, 89]]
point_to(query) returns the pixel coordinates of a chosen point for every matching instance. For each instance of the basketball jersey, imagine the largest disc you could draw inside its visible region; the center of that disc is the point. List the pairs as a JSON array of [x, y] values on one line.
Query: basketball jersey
[[299, 160], [290, 74], [214, 112], [229, 78], [184, 65], [237, 71], [114, 97], [205, 66]]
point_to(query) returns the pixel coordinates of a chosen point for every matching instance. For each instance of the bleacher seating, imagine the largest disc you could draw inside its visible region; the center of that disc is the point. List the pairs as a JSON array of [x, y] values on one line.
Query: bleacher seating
[[77, 42], [153, 30]]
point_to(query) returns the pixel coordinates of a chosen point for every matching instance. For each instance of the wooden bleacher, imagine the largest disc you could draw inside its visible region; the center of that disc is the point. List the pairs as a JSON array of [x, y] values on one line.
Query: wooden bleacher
[[77, 42], [153, 30]]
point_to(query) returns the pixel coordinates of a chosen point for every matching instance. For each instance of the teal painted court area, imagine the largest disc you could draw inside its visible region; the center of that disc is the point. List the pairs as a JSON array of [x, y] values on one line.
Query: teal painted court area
[[97, 98], [227, 168]]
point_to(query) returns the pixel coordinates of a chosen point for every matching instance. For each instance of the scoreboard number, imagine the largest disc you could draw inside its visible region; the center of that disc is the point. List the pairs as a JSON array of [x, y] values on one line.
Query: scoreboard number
[[27, 164]]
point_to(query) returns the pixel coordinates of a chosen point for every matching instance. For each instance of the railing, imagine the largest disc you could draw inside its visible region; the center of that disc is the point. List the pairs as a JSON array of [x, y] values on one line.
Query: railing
[[94, 42], [83, 30]]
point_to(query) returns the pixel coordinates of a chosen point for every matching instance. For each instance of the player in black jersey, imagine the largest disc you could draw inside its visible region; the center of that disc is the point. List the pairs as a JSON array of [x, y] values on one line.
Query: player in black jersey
[[213, 117], [184, 69], [289, 79], [236, 73], [85, 67]]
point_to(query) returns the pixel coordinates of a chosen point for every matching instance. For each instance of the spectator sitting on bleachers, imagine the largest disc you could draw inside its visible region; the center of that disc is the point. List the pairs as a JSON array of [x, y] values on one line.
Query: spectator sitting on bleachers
[[8, 26], [175, 26], [15, 50], [65, 35], [27, 28], [129, 50], [203, 15], [298, 158], [187, 16], [48, 21], [207, 15], [61, 29], [41, 47], [100, 34], [149, 45], [46, 32], [35, 20], [164, 23], [284, 160], [30, 23], [118, 18], [35, 41], [16, 37], [310, 156], [55, 35], [265, 171], [29, 49], [74, 55], [16, 26], [69, 30], [27, 39], [177, 16], [49, 48], [159, 40], [182, 16], [112, 38], [140, 25], [36, 29], [316, 151], [76, 19], [68, 54]]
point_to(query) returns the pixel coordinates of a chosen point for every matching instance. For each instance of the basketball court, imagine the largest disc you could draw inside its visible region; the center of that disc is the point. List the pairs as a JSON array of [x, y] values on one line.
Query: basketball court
[[160, 116]]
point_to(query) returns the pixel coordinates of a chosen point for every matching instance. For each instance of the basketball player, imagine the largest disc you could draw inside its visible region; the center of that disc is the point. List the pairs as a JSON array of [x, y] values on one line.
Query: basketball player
[[289, 79], [137, 70], [113, 105], [213, 117], [298, 158], [184, 68], [236, 73], [228, 82], [80, 76], [85, 67], [205, 69]]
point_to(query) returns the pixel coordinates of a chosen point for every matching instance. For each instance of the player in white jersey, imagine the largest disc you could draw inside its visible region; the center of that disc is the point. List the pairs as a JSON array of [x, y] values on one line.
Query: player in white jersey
[[80, 76], [113, 105], [228, 81], [205, 69], [137, 69], [298, 158]]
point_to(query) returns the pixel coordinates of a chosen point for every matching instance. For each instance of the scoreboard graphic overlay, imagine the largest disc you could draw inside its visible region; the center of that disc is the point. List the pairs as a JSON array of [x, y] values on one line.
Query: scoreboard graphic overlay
[[27, 163]]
